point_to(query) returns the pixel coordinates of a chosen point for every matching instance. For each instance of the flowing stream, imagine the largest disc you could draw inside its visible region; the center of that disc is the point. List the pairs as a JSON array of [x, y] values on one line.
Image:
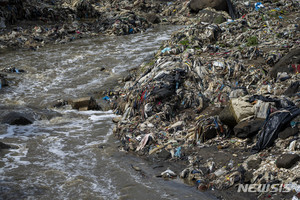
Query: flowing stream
[[75, 155]]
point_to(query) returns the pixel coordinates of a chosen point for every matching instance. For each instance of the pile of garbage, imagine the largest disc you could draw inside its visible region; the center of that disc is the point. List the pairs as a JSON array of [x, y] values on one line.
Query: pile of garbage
[[36, 23], [234, 86]]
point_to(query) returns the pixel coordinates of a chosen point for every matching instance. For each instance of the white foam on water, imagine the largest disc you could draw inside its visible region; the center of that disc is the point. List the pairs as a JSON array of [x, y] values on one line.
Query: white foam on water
[[13, 159], [73, 60], [96, 118]]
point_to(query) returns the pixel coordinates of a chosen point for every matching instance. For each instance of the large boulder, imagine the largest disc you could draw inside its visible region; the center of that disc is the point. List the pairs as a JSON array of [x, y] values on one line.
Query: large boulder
[[288, 132], [247, 129], [287, 160], [293, 57], [227, 117], [16, 118], [211, 16], [153, 18], [292, 89], [85, 103], [196, 5]]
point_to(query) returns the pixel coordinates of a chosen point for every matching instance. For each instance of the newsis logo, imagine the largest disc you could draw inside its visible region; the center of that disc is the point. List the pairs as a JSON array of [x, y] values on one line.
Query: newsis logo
[[267, 187]]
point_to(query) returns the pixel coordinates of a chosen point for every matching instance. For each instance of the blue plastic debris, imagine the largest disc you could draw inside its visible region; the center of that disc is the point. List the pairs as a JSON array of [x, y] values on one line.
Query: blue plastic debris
[[258, 5], [131, 30], [17, 71], [280, 17], [178, 152], [222, 86], [106, 98], [166, 49], [294, 124]]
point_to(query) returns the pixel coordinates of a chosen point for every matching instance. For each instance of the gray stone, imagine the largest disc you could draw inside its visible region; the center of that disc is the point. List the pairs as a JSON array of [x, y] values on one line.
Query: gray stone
[[196, 5], [283, 65], [288, 132], [254, 164], [248, 129], [287, 160], [293, 88], [15, 118], [153, 18], [210, 17], [227, 117], [248, 176], [85, 103]]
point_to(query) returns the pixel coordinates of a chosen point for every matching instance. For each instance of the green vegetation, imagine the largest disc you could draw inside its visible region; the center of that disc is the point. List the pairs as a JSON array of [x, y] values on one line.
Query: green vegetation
[[219, 19], [150, 63], [184, 42], [252, 41]]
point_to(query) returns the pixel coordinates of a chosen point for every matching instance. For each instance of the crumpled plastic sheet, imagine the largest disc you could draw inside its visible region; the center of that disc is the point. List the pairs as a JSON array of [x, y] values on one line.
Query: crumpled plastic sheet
[[273, 126]]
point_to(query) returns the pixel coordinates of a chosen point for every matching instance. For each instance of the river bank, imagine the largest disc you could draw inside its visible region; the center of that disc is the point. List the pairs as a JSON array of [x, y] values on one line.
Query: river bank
[[224, 99]]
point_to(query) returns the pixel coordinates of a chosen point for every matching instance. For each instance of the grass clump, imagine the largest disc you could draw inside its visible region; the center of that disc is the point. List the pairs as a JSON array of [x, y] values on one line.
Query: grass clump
[[184, 42], [252, 41]]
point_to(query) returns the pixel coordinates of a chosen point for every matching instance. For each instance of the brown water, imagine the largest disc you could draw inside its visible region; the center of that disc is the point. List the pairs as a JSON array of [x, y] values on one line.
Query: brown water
[[75, 156]]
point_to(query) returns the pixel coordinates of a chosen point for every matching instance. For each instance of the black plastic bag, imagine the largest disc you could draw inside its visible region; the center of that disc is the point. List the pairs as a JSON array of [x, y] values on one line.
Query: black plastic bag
[[274, 124]]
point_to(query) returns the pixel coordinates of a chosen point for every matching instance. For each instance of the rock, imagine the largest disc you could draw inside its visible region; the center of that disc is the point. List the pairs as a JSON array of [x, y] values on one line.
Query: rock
[[153, 18], [196, 5], [248, 129], [287, 160], [248, 176], [254, 164], [4, 146], [164, 155], [288, 132], [227, 117], [60, 103], [85, 103], [15, 118], [283, 65], [292, 89], [211, 16]]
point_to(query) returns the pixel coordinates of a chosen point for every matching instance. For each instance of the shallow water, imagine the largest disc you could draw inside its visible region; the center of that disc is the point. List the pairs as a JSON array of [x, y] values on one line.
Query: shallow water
[[75, 156]]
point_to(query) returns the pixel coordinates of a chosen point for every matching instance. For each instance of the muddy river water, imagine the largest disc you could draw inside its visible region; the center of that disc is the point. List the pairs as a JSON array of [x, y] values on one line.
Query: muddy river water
[[75, 155]]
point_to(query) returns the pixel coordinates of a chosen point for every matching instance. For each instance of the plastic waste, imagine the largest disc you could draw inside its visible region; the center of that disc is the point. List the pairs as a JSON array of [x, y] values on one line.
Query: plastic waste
[[106, 98], [178, 152], [168, 174], [220, 172], [273, 126], [258, 5], [166, 49], [143, 141]]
